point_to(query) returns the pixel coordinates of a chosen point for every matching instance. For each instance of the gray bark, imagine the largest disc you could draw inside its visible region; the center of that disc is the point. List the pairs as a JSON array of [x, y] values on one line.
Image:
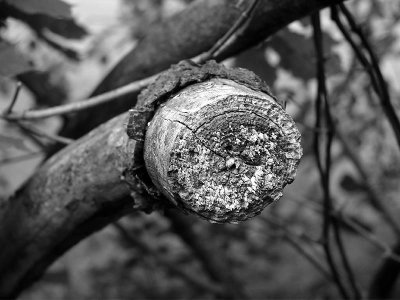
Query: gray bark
[[187, 35], [81, 188]]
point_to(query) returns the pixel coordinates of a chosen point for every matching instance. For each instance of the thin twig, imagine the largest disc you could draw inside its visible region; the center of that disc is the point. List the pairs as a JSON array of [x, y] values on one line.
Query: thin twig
[[212, 260], [37, 141], [346, 264], [37, 132], [369, 236], [321, 101], [371, 65], [126, 89], [16, 159], [328, 207], [222, 43], [353, 225], [385, 278], [292, 238], [14, 99], [189, 277], [81, 105], [357, 50], [322, 98], [330, 125], [373, 195]]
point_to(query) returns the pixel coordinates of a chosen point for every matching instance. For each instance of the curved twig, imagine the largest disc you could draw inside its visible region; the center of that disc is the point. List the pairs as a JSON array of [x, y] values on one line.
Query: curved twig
[[80, 105], [322, 114]]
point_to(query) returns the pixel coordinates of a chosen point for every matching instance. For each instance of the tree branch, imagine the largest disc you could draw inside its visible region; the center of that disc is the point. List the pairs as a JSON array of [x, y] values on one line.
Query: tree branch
[[89, 183], [68, 195], [191, 278], [323, 141], [81, 188], [184, 36], [212, 259], [385, 278]]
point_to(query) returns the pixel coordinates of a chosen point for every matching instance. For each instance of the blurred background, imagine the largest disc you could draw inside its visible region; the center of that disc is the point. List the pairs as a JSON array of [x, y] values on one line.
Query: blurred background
[[278, 254]]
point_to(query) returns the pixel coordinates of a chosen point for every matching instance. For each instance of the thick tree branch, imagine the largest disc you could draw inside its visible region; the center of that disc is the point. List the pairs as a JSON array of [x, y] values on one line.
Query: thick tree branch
[[186, 35], [236, 177], [59, 205], [81, 188]]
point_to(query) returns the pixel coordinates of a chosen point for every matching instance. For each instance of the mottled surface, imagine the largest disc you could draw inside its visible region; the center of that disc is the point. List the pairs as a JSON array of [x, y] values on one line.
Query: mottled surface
[[80, 185], [222, 150], [175, 79]]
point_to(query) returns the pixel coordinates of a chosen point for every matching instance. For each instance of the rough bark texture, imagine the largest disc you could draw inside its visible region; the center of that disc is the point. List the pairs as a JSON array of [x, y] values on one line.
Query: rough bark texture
[[222, 150], [184, 36], [80, 189], [178, 77], [66, 200], [221, 145]]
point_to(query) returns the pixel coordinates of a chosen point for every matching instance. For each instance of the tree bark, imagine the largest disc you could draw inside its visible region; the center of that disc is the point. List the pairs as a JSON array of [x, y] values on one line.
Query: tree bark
[[74, 193], [184, 36], [217, 148], [81, 188], [222, 150]]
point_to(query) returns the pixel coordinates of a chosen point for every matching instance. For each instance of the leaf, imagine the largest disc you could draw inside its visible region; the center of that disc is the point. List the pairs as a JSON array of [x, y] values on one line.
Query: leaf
[[54, 8], [11, 61], [298, 55]]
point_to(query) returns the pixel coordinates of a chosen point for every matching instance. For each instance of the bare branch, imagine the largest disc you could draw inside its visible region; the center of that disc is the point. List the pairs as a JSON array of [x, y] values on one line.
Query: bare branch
[[14, 99], [82, 188], [371, 65], [191, 278], [292, 239], [90, 182], [16, 159], [130, 88], [187, 35], [322, 111], [370, 190], [212, 259], [347, 221], [82, 104], [29, 129], [222, 43], [385, 278]]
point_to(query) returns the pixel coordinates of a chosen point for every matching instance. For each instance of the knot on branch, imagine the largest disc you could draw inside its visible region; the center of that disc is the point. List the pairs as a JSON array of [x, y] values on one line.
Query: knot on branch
[[219, 145]]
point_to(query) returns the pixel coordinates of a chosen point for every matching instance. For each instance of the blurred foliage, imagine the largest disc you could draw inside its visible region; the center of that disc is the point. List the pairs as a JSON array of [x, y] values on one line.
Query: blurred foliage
[[54, 8], [11, 61], [42, 16], [265, 255]]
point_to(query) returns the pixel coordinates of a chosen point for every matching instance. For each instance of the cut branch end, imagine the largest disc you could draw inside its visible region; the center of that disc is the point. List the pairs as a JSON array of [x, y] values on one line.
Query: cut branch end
[[222, 150]]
